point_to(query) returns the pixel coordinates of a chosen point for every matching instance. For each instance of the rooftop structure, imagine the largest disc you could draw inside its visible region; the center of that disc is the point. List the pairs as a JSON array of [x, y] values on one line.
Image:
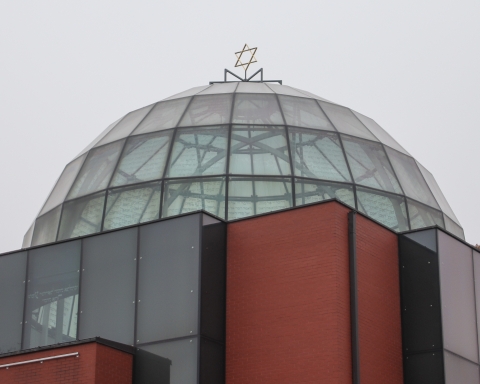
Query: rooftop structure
[[238, 149]]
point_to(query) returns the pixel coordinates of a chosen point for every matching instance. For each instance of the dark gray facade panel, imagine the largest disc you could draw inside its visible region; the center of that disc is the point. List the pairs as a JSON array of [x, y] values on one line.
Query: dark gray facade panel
[[183, 355], [458, 297], [212, 362], [427, 238], [420, 298], [107, 307], [424, 368], [476, 271], [459, 370], [213, 286], [52, 295], [168, 281], [12, 293], [151, 368]]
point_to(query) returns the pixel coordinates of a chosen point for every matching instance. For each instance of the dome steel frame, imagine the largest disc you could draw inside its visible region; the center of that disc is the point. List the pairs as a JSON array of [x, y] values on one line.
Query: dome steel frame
[[238, 149]]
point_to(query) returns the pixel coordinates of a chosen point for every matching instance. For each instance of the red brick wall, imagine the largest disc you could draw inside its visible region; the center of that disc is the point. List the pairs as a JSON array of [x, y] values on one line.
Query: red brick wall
[[379, 304], [288, 304], [113, 366], [97, 364]]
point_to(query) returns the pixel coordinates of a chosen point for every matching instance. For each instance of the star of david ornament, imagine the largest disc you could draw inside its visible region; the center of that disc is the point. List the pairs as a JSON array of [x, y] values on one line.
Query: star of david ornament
[[246, 57]]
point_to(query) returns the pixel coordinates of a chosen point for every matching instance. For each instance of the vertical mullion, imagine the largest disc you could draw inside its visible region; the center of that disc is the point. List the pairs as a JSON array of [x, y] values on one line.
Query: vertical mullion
[[135, 300], [352, 246], [199, 293], [80, 276], [229, 146], [24, 317]]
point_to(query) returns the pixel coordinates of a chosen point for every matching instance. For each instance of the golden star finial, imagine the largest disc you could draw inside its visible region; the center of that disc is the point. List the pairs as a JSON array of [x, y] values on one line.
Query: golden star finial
[[246, 52]]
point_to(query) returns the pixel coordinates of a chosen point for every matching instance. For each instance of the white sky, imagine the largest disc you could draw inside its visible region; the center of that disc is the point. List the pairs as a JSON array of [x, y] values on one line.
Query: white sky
[[68, 69]]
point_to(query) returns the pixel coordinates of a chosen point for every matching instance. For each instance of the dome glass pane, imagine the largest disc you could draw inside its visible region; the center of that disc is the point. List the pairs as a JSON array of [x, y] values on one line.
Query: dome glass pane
[[82, 216], [437, 192], [318, 155], [63, 185], [219, 88], [100, 137], [380, 133], [208, 110], [285, 90], [259, 151], [97, 170], [304, 113], [199, 152], [453, 227], [247, 87], [46, 227], [132, 205], [422, 216], [182, 196], [256, 109], [369, 164], [346, 122], [411, 179], [27, 239], [125, 126], [253, 196], [309, 191], [189, 92], [143, 158], [164, 115], [384, 207]]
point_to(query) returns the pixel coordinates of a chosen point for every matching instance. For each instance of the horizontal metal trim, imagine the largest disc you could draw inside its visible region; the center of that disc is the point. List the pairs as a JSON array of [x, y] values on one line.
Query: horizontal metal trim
[[76, 354]]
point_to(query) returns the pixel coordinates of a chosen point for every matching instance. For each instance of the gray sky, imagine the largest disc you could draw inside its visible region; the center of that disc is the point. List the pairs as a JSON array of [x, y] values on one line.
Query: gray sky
[[68, 69]]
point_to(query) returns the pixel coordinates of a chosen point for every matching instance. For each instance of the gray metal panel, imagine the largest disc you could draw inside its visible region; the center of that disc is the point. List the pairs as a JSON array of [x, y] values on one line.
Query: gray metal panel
[[168, 281], [12, 294], [458, 297], [460, 371], [476, 271], [108, 286]]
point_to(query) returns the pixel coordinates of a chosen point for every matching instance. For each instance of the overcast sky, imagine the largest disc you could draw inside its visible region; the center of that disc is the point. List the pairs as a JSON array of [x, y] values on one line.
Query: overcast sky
[[68, 69]]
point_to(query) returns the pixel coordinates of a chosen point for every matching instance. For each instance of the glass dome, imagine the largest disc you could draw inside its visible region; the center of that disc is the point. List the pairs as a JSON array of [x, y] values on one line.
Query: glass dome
[[239, 149]]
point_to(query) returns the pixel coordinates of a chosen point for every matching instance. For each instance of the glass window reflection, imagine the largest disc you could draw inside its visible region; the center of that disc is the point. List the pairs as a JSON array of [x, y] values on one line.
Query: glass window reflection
[[52, 295]]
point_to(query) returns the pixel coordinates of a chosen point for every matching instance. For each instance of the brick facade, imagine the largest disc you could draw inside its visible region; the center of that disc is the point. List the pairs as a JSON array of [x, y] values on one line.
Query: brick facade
[[96, 364], [288, 298], [378, 304], [288, 301]]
